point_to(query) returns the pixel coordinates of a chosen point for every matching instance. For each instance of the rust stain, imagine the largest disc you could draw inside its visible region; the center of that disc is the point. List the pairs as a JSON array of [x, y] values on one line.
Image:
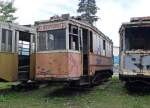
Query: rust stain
[[58, 64]]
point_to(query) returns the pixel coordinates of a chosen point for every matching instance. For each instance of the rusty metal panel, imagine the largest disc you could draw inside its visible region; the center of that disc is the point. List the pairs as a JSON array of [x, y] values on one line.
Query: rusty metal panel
[[131, 62], [74, 65], [98, 63], [138, 63], [58, 65], [51, 64], [51, 26]]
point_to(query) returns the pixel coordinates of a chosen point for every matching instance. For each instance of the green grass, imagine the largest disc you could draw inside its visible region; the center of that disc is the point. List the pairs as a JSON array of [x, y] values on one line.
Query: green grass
[[5, 85], [111, 94]]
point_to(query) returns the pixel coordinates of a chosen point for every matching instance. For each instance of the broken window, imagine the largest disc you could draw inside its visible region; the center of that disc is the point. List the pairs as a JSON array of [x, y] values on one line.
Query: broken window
[[52, 40], [137, 38], [73, 37]]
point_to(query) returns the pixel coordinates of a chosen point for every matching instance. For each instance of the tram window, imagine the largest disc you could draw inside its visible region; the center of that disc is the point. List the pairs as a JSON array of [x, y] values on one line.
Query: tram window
[[3, 46], [6, 44], [73, 37], [52, 40], [74, 42], [15, 46], [91, 41], [42, 41], [73, 29], [104, 45], [10, 41], [57, 39]]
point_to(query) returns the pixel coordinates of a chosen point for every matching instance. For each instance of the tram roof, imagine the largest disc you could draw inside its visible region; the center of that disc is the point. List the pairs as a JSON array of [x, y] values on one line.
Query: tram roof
[[18, 27], [136, 22]]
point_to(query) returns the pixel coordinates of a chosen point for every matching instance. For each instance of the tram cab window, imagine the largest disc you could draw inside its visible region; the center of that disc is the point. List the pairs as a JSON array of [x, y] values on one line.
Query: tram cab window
[[52, 40], [6, 43], [73, 37], [137, 38]]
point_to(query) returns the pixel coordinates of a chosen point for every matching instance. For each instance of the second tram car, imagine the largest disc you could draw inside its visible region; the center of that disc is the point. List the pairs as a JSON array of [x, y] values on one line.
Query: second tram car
[[135, 50], [73, 51], [17, 48]]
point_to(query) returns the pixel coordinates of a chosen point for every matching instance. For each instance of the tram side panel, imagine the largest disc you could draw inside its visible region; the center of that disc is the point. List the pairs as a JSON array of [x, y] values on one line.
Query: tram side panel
[[10, 35], [58, 66], [8, 66], [100, 64], [32, 66], [100, 56]]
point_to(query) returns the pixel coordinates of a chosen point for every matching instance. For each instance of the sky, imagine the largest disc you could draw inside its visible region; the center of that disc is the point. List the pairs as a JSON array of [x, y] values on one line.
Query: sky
[[112, 13]]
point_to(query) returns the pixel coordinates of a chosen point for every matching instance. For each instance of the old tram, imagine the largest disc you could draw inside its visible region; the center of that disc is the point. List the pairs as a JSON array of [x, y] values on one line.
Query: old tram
[[72, 51], [17, 48], [135, 51]]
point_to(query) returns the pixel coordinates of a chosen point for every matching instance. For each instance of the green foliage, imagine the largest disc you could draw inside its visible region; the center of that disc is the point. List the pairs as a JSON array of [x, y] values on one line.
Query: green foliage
[[88, 10], [6, 11]]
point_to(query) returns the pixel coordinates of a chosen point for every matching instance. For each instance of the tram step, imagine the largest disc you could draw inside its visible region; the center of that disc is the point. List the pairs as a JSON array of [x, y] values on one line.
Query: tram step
[[23, 75], [85, 80], [23, 72]]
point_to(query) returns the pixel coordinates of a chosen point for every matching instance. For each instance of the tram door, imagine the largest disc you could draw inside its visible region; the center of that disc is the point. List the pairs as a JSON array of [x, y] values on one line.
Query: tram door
[[24, 56], [85, 51]]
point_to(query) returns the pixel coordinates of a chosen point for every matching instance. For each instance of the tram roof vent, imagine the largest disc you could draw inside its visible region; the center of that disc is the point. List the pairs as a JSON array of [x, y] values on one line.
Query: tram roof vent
[[65, 16], [57, 17]]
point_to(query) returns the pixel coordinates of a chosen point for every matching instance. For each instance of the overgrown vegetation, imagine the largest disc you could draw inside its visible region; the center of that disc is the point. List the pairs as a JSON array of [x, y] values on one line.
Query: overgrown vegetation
[[111, 94]]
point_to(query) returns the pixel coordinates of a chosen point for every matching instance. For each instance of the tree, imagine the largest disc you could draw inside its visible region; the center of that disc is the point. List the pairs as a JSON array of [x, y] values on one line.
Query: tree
[[7, 10], [88, 10]]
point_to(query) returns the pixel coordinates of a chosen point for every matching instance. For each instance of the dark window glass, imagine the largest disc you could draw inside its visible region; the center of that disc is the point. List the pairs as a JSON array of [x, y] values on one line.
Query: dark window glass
[[91, 41], [42, 41], [57, 39], [52, 40], [3, 46], [6, 40], [104, 45], [9, 41]]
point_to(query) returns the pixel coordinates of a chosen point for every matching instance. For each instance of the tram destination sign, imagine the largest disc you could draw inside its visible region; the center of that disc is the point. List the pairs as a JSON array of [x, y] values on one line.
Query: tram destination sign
[[51, 26]]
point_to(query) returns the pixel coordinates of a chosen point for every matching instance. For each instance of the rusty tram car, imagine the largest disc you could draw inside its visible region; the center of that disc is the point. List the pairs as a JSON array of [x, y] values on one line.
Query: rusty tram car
[[71, 50], [135, 51], [17, 50]]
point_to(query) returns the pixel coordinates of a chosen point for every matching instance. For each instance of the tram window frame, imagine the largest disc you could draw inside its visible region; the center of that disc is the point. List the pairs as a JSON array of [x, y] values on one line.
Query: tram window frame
[[42, 41], [10, 37], [6, 40], [74, 38], [55, 38], [33, 44]]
